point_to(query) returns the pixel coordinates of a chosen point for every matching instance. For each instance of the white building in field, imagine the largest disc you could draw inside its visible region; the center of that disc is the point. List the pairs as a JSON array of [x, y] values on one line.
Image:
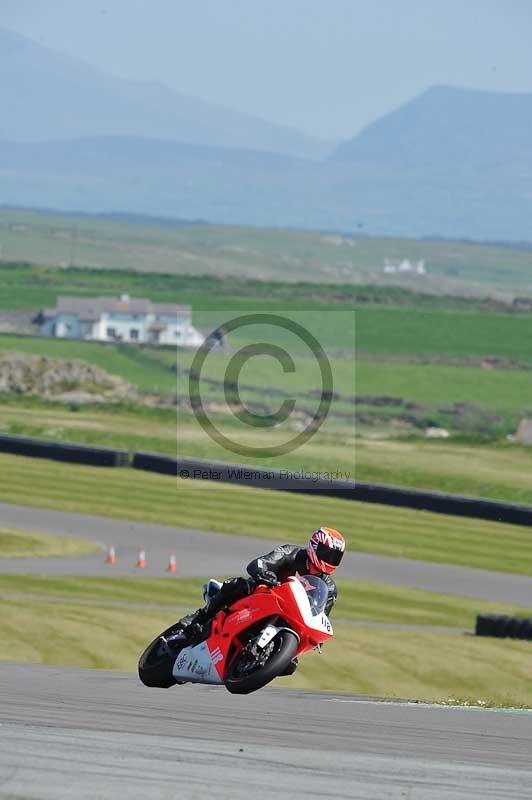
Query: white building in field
[[412, 267], [120, 319]]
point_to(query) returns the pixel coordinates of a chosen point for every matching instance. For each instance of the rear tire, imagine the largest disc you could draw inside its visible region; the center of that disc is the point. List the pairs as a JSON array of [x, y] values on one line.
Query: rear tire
[[279, 661], [156, 663]]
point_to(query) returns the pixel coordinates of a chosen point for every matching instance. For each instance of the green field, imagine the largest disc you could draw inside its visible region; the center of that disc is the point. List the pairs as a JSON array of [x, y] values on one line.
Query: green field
[[265, 254], [16, 543], [433, 667], [388, 321], [498, 471], [440, 385], [451, 349], [131, 494], [154, 371], [427, 362], [438, 332], [451, 362], [360, 601], [74, 622]]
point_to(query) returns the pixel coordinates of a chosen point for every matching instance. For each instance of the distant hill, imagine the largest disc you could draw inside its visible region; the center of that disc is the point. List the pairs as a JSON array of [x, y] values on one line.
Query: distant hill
[[165, 178], [448, 128], [453, 163], [53, 96], [230, 186]]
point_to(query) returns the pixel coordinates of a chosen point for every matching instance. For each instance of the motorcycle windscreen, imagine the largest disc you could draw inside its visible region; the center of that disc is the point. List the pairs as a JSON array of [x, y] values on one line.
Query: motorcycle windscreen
[[317, 593]]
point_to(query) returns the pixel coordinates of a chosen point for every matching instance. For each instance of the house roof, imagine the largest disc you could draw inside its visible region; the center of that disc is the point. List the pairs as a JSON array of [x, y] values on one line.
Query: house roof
[[91, 308]]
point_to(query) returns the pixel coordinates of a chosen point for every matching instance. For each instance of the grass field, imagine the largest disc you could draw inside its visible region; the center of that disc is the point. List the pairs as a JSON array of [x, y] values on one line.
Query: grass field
[[389, 334], [29, 285], [499, 471], [37, 626], [15, 543], [432, 667], [130, 494], [254, 252], [221, 271], [160, 431], [435, 385], [440, 385], [387, 321], [360, 601]]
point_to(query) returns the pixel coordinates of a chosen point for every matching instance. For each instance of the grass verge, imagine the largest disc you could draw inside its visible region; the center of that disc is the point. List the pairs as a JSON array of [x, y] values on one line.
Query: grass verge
[[434, 667], [131, 494], [420, 665], [358, 600], [15, 543]]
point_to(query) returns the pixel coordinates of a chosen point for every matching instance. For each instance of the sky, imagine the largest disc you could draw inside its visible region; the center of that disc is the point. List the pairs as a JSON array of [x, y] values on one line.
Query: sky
[[327, 67]]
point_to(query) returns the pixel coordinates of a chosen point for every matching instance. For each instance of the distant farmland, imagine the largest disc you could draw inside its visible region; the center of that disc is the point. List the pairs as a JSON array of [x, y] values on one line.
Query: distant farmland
[[261, 253]]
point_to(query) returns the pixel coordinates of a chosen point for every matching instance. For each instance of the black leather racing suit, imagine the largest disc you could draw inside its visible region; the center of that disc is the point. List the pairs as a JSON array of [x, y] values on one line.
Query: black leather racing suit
[[286, 560]]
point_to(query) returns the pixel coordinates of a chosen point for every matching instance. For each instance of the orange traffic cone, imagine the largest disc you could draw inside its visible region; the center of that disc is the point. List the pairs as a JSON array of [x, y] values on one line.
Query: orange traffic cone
[[172, 564], [141, 559], [111, 555]]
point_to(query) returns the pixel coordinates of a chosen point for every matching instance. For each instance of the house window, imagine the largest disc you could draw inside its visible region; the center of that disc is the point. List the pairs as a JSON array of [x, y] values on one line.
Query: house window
[[111, 333], [134, 333]]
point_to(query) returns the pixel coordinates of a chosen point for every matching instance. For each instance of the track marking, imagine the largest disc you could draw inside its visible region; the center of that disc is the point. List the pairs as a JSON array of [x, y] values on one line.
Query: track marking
[[439, 706]]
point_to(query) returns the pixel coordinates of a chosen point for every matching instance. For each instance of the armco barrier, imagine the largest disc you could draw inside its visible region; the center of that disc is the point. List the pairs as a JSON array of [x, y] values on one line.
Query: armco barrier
[[260, 477], [58, 451]]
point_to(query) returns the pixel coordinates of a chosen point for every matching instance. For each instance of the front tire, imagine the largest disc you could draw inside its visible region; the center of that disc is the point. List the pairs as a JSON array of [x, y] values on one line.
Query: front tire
[[238, 681], [156, 663]]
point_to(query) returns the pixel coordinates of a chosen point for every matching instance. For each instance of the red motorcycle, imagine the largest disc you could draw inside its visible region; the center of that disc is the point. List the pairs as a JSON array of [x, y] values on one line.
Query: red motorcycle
[[249, 644]]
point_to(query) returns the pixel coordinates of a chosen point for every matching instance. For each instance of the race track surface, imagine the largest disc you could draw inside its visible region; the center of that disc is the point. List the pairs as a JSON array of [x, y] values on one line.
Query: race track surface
[[204, 554], [69, 733]]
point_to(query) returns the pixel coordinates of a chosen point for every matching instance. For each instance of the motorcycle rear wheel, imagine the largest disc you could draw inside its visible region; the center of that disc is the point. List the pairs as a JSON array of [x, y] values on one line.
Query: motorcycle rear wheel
[[284, 652], [156, 663]]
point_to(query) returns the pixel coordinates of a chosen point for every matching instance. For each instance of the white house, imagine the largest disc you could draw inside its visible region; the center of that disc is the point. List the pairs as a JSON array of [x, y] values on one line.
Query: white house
[[120, 319], [416, 268]]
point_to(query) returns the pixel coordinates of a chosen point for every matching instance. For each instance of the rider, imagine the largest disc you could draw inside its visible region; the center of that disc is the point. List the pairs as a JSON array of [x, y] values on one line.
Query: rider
[[322, 555]]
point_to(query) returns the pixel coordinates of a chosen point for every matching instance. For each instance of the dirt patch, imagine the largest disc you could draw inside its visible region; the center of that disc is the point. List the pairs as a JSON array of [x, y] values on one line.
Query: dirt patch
[[66, 380]]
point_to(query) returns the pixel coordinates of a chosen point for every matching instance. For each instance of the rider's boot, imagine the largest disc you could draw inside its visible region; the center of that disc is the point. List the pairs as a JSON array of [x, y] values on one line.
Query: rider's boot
[[231, 590], [193, 624]]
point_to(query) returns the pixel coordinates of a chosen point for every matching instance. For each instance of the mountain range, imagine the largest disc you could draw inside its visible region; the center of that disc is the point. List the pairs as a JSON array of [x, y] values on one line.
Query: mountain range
[[451, 162], [52, 96]]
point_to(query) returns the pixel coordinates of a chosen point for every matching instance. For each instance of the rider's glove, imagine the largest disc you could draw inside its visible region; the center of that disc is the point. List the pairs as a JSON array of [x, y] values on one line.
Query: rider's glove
[[267, 577]]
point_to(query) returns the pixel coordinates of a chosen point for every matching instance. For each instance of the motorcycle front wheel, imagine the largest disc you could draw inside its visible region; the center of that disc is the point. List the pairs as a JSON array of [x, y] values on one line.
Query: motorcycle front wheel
[[254, 668]]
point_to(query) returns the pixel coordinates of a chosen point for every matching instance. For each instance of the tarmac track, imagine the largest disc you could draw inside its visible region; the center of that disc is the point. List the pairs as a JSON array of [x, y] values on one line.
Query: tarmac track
[[203, 554], [67, 733]]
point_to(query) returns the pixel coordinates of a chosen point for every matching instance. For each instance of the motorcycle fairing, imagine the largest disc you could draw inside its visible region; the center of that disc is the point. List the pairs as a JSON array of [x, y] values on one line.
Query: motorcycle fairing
[[207, 662], [198, 664]]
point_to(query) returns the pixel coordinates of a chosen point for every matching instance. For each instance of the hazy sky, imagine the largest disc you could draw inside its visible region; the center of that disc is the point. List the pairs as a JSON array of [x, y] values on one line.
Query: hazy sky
[[325, 66]]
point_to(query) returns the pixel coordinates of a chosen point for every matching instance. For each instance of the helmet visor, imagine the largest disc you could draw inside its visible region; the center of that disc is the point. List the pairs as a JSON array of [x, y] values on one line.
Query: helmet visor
[[330, 555]]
